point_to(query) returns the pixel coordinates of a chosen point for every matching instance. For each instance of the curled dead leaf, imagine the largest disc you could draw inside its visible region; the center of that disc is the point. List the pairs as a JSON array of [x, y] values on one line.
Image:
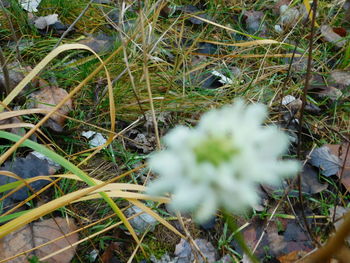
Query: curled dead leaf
[[37, 234], [50, 96], [330, 36]]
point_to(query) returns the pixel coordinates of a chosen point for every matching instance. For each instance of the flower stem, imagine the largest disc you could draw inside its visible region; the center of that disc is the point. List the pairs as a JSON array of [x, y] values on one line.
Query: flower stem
[[238, 236]]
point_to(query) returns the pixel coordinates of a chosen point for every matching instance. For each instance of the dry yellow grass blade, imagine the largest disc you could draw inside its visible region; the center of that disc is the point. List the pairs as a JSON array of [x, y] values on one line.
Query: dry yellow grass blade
[[219, 57], [117, 187], [111, 186], [16, 125], [258, 42], [289, 55], [36, 194], [156, 216], [45, 209], [136, 248], [72, 245], [269, 41], [22, 182], [125, 195], [86, 238], [37, 69], [309, 11], [11, 114], [116, 190]]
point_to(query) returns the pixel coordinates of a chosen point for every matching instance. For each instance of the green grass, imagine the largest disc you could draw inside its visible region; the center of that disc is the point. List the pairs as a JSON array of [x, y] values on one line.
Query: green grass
[[261, 80]]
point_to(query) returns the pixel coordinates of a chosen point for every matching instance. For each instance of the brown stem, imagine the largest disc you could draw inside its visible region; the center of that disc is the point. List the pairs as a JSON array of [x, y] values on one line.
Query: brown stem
[[7, 84], [301, 118], [333, 245]]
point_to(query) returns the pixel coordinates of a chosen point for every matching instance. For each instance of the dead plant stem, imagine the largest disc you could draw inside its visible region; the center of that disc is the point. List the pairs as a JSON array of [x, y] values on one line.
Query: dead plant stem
[[301, 118], [7, 84], [73, 24], [146, 73]]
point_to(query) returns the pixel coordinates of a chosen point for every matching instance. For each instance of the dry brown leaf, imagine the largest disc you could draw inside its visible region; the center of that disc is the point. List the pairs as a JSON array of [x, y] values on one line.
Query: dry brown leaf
[[99, 43], [340, 79], [254, 22], [13, 121], [330, 36], [292, 257], [16, 74], [319, 88], [48, 97], [278, 4], [345, 178], [107, 256], [39, 233]]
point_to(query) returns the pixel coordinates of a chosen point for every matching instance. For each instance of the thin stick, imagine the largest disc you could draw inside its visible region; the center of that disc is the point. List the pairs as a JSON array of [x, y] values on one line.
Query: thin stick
[[146, 73], [12, 31], [301, 118], [5, 71], [73, 24], [126, 60]]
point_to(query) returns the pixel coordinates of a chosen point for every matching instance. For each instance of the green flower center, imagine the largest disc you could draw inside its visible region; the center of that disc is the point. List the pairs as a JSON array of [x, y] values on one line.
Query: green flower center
[[215, 151]]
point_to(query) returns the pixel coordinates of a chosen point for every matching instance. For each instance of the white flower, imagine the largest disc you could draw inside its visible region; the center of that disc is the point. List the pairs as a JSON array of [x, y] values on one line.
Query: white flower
[[220, 163]]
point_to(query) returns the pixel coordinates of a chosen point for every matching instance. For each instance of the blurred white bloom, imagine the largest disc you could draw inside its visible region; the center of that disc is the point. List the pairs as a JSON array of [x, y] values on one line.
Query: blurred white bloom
[[220, 163]]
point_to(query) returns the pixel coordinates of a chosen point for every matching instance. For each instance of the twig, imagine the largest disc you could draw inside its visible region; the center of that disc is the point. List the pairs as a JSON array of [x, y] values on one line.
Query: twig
[[146, 74], [190, 238], [73, 24], [301, 117], [7, 84], [126, 60], [12, 31], [284, 196]]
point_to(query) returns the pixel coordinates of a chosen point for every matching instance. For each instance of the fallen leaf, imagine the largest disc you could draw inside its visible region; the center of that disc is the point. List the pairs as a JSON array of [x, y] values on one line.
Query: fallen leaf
[[289, 16], [43, 22], [345, 178], [287, 99], [95, 138], [340, 211], [292, 257], [99, 42], [50, 96], [310, 181], [332, 37], [185, 254], [30, 5], [16, 74], [277, 6], [93, 255], [299, 64], [141, 222], [107, 256], [340, 31], [13, 120], [164, 259], [190, 9], [340, 79], [31, 166], [281, 237], [223, 79], [320, 89], [254, 22], [38, 233], [206, 48], [328, 163]]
